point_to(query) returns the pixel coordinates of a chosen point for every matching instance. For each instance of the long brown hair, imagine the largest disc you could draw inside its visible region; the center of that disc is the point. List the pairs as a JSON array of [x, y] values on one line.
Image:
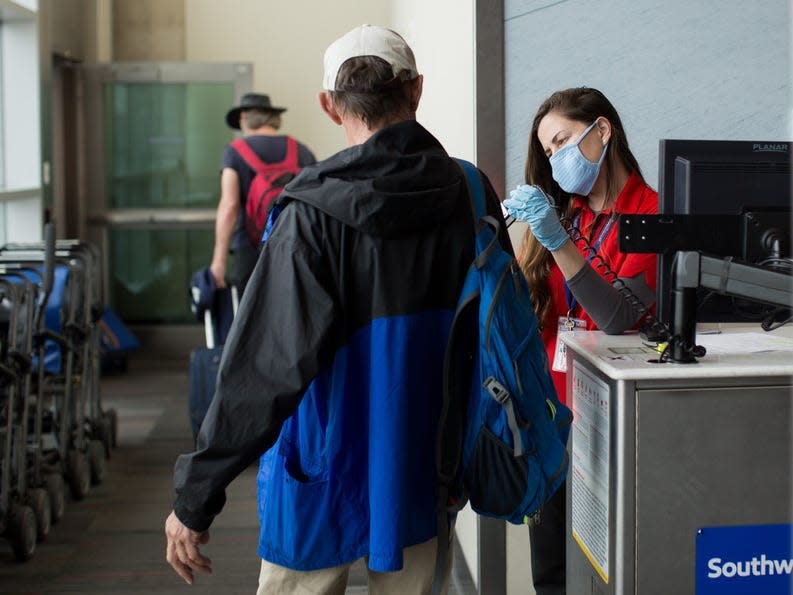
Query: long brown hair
[[582, 104]]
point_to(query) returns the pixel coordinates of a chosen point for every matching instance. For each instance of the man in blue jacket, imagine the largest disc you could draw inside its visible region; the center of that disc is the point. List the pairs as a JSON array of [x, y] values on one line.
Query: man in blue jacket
[[333, 366]]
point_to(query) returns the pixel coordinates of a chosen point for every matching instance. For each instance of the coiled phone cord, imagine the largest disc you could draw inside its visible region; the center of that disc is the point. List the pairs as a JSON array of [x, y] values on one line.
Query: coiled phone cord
[[653, 327]]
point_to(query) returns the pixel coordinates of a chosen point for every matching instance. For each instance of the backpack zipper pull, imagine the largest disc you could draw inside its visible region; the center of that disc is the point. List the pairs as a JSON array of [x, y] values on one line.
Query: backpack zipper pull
[[533, 519]]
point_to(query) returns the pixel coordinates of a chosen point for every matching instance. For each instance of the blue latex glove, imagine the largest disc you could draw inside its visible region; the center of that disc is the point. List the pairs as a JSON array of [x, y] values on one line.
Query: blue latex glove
[[531, 204]]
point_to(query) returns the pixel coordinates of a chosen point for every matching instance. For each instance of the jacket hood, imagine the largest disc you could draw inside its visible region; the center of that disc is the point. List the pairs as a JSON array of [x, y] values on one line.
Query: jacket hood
[[399, 181]]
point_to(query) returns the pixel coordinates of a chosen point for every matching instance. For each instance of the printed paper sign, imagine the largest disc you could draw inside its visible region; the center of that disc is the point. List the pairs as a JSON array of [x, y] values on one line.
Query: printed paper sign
[[589, 471]]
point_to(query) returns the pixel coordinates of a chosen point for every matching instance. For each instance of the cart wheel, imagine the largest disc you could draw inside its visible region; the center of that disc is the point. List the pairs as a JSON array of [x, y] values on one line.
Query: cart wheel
[[112, 417], [56, 490], [96, 459], [22, 531], [40, 503], [79, 474], [103, 434]]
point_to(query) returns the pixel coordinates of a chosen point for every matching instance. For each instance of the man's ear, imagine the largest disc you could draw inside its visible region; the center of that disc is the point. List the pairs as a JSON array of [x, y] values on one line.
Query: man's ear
[[327, 106], [415, 92]]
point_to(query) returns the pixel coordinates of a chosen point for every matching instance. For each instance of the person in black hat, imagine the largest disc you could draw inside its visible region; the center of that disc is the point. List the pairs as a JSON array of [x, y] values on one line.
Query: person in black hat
[[259, 122]]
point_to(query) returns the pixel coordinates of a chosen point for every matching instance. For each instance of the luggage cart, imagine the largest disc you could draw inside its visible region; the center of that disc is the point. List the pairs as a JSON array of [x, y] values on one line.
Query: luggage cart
[[44, 472], [99, 424], [18, 522], [44, 464], [45, 494], [63, 330]]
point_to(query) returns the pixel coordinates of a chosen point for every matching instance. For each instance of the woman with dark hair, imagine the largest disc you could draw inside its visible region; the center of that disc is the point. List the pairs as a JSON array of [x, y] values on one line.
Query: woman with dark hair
[[579, 168]]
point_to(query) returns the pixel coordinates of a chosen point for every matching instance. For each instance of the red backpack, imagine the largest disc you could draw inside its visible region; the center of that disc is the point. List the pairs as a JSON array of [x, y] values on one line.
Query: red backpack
[[266, 185]]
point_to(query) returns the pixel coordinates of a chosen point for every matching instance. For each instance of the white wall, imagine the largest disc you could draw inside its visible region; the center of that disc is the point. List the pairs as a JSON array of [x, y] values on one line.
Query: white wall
[[285, 46], [441, 34]]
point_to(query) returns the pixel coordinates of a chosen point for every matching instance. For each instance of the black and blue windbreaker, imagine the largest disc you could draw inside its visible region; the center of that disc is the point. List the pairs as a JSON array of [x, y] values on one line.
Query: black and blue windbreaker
[[335, 358]]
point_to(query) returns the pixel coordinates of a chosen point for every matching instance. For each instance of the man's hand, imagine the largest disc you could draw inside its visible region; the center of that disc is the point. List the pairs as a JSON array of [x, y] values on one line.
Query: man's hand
[[219, 274], [182, 551]]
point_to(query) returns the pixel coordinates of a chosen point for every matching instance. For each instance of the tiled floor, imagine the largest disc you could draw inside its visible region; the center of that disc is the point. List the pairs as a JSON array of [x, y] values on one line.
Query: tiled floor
[[112, 541]]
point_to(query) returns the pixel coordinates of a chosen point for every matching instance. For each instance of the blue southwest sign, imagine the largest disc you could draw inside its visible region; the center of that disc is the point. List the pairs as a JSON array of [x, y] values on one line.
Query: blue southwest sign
[[744, 560]]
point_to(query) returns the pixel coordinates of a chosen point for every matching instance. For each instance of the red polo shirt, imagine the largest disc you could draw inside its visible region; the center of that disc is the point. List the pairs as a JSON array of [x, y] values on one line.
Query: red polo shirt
[[635, 197]]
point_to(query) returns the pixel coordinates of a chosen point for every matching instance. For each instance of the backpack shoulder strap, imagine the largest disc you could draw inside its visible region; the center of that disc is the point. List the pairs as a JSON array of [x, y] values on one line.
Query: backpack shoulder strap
[[475, 187], [292, 156], [476, 193], [248, 154], [448, 452]]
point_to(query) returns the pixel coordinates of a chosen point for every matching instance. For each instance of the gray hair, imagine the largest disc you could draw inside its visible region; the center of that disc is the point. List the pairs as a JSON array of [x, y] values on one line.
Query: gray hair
[[368, 89]]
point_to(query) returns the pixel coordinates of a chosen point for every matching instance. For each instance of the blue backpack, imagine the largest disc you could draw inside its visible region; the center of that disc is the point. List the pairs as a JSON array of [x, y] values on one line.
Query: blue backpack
[[503, 431]]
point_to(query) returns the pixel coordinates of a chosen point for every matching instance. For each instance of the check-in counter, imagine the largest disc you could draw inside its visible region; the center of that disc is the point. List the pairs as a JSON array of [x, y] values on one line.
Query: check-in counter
[[680, 478]]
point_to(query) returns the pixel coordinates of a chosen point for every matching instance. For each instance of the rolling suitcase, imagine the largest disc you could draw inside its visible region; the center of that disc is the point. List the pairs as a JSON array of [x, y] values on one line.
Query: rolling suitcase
[[204, 362]]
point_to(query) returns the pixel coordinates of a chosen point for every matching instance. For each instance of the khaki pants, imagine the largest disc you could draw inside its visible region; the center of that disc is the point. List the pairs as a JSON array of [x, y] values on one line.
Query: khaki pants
[[415, 578]]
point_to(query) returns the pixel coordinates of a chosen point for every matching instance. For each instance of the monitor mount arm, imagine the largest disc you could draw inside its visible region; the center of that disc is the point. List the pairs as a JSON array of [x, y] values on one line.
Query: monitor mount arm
[[693, 270]]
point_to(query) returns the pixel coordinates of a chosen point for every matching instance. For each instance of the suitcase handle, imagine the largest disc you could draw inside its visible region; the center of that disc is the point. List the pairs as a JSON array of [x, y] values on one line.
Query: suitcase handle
[[209, 327]]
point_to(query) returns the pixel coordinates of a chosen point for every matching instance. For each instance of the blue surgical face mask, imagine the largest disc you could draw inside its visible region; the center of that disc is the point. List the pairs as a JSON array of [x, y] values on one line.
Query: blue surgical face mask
[[572, 171]]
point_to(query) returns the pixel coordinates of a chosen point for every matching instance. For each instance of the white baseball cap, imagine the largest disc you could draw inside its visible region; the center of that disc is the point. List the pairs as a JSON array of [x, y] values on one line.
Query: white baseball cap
[[368, 40]]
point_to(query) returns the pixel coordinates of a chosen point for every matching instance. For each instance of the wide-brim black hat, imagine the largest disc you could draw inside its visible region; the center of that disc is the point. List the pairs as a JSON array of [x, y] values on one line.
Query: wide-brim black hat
[[250, 101]]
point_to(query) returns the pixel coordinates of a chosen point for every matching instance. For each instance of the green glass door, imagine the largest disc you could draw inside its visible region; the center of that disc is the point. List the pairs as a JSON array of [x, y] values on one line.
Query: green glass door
[[164, 142], [160, 140]]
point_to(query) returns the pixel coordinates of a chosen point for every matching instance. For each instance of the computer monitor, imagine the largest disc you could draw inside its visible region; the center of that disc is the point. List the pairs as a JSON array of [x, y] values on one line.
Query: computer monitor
[[746, 187]]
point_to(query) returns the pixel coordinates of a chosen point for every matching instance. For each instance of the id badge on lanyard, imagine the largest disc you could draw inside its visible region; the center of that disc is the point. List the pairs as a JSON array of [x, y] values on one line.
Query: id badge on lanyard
[[570, 323], [566, 324]]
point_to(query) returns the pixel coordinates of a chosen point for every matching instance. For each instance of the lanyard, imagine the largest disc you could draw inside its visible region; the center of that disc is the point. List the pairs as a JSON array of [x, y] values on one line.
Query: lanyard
[[572, 303]]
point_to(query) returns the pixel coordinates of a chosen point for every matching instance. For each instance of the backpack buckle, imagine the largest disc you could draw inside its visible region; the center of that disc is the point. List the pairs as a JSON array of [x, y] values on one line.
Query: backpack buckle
[[497, 390]]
